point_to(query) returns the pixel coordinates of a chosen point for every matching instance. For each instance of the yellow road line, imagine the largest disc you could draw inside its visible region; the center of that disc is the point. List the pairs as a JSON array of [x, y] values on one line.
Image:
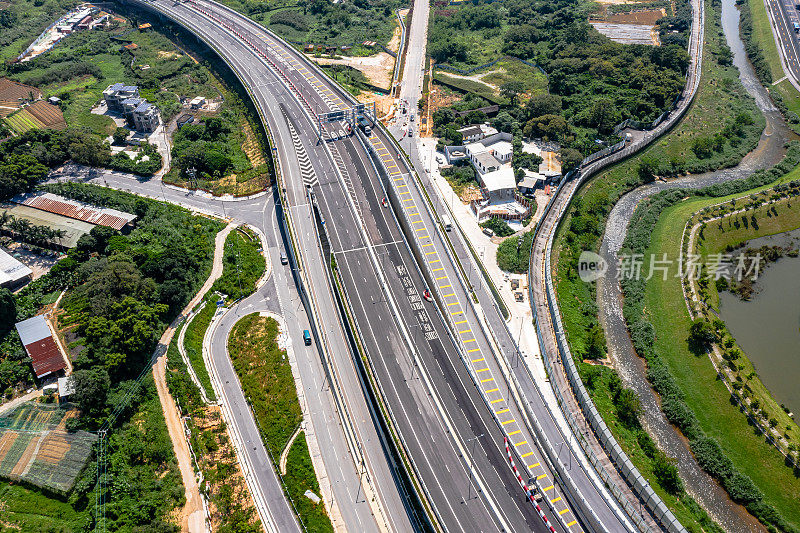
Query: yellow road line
[[492, 390], [554, 500], [548, 488], [478, 360], [534, 466], [487, 379], [572, 523], [497, 400], [541, 476], [514, 433], [474, 350], [563, 511], [527, 455]]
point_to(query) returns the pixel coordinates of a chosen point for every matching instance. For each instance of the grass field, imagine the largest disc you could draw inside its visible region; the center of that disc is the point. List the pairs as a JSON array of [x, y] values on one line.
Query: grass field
[[266, 377], [468, 86], [193, 343], [720, 96], [31, 511], [704, 393], [765, 39], [244, 264], [299, 478]]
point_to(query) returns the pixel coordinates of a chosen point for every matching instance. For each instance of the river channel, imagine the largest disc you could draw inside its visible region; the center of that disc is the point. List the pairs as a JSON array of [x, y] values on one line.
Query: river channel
[[767, 326], [770, 150]]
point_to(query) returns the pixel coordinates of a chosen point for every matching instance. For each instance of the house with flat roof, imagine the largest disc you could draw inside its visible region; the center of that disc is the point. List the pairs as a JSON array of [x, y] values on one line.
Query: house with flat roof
[[118, 92], [13, 272], [41, 346], [145, 117]]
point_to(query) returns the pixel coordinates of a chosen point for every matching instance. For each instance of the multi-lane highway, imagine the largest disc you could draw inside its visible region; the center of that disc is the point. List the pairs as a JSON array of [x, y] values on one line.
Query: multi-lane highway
[[465, 491], [446, 398], [783, 15], [436, 366]]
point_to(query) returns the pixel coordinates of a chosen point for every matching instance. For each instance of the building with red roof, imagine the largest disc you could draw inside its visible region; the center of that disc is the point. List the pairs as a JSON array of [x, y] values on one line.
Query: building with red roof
[[40, 346]]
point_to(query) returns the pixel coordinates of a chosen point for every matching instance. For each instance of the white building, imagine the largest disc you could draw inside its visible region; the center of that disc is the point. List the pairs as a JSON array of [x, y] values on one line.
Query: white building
[[491, 157], [145, 117], [117, 93], [13, 273], [476, 132]]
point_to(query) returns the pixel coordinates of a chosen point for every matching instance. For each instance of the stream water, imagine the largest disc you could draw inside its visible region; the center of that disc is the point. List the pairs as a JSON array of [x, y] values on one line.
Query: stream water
[[770, 150], [767, 326]]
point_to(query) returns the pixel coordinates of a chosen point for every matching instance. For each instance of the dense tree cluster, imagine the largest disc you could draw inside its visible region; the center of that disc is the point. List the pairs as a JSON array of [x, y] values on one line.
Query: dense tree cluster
[[26, 159], [203, 147], [594, 83], [123, 289]]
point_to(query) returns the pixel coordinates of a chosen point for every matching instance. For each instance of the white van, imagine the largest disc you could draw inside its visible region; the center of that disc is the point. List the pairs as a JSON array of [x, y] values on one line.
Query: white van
[[447, 223]]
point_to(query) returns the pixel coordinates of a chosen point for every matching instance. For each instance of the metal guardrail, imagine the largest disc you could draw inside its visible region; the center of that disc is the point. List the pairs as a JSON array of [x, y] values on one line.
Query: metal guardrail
[[616, 454]]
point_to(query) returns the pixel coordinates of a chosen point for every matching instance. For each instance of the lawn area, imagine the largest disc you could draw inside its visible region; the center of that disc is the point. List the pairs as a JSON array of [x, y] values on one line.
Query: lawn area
[[266, 377], [193, 343], [703, 392], [720, 96], [244, 264]]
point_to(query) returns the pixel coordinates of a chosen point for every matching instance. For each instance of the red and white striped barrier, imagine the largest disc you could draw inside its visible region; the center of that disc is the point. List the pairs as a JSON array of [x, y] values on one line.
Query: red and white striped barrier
[[260, 53], [528, 491]]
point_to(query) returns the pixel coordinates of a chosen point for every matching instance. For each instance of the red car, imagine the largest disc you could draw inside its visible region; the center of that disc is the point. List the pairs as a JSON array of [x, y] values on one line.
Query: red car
[[427, 295], [385, 202]]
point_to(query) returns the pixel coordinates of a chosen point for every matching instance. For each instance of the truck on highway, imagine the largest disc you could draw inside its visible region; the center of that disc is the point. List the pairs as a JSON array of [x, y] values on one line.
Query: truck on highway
[[363, 122], [797, 27], [307, 337]]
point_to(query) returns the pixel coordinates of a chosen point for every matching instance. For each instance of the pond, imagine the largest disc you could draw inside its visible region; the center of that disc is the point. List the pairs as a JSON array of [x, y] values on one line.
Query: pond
[[767, 327]]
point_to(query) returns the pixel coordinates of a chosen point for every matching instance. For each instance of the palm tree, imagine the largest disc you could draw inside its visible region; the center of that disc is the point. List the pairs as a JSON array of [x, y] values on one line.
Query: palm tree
[[5, 218]]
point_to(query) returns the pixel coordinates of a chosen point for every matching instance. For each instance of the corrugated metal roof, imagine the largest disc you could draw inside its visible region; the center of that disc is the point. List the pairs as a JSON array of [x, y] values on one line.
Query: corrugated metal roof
[[141, 108], [73, 209], [12, 270], [40, 346], [32, 330]]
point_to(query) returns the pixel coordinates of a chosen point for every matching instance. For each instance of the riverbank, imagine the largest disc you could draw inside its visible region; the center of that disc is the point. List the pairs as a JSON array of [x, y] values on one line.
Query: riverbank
[[691, 393], [579, 297], [632, 368]]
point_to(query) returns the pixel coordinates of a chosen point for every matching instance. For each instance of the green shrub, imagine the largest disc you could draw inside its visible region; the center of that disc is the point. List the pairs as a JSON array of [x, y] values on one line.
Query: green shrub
[[498, 226]]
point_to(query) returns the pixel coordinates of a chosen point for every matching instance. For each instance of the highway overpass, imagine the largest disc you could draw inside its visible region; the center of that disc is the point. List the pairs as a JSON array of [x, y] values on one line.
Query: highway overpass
[[436, 366]]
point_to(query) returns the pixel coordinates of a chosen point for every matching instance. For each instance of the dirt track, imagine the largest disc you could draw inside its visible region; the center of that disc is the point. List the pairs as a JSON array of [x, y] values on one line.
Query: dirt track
[[192, 515]]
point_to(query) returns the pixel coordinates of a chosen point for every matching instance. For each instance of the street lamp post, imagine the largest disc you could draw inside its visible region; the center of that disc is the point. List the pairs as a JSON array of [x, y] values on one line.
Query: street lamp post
[[471, 467]]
